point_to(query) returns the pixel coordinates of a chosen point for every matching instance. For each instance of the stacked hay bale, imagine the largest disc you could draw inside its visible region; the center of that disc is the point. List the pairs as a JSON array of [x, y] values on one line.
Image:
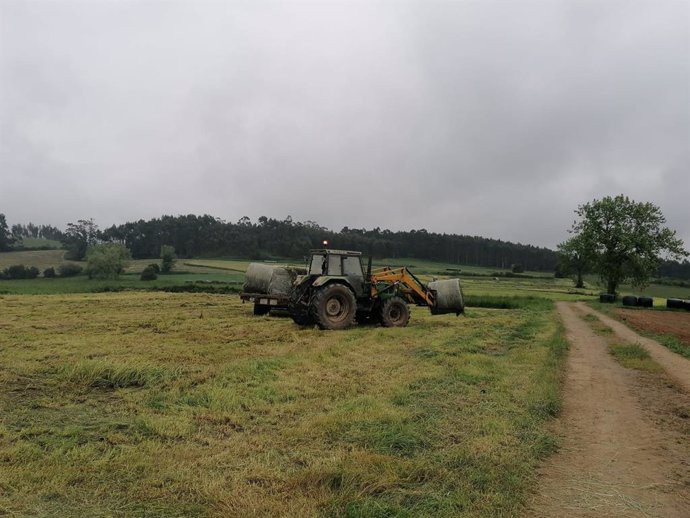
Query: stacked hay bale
[[270, 279]]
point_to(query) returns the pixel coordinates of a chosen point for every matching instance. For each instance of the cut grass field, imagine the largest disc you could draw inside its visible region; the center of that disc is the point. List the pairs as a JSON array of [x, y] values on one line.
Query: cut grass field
[[154, 404], [477, 282], [41, 259]]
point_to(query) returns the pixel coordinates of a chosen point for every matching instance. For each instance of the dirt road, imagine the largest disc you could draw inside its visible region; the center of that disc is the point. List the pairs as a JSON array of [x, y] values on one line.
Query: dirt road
[[624, 452]]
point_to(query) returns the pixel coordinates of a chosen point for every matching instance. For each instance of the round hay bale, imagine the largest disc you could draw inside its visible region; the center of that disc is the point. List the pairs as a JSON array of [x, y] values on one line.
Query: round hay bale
[[645, 302], [630, 300], [607, 297], [674, 303], [281, 281], [449, 297], [257, 278]]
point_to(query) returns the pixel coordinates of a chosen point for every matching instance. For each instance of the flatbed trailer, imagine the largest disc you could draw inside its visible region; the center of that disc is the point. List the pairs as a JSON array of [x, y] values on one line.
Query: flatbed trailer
[[263, 302]]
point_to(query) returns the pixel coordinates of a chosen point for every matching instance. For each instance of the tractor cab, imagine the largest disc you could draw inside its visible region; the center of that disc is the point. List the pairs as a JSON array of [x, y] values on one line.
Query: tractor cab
[[335, 263], [326, 265]]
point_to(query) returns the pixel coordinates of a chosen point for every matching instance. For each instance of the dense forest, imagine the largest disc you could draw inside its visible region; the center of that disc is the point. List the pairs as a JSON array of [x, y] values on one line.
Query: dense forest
[[194, 236]]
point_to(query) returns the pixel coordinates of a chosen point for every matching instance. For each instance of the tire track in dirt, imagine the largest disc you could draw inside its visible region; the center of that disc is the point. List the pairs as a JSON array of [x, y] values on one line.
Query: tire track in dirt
[[614, 459], [674, 364]]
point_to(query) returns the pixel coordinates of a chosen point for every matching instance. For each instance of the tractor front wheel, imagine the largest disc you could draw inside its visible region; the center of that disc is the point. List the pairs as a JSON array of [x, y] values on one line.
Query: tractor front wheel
[[334, 307], [394, 313]]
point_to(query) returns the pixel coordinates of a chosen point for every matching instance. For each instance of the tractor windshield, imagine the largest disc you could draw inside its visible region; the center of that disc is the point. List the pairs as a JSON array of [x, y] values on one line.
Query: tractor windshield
[[317, 266]]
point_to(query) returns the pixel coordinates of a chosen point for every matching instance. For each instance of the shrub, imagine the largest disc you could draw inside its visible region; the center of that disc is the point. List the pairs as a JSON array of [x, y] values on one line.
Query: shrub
[[517, 268], [106, 261], [149, 274], [69, 269], [19, 271], [155, 267], [49, 273]]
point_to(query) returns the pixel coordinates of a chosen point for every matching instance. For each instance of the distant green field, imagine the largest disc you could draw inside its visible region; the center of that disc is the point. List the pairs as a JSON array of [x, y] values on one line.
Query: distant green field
[[422, 266], [41, 259], [475, 280]]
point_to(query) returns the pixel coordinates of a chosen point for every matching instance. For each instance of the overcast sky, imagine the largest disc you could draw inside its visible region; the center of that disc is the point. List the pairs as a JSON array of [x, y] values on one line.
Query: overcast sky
[[492, 118]]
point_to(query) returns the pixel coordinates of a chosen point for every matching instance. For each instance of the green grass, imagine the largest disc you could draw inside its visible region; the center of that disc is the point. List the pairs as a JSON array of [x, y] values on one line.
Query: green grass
[[82, 284], [634, 356], [159, 404], [597, 325], [672, 342], [102, 374]]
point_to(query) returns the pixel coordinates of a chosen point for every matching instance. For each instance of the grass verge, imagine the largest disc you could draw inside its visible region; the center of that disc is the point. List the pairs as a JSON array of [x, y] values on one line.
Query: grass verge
[[634, 356]]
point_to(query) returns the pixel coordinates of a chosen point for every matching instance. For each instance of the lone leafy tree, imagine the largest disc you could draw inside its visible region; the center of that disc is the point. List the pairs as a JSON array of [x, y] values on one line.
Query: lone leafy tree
[[78, 237], [168, 258], [626, 239], [575, 257]]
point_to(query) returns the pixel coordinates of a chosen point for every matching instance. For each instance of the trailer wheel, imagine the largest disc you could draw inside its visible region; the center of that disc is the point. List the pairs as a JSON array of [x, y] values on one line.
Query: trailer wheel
[[261, 309], [395, 313], [334, 307]]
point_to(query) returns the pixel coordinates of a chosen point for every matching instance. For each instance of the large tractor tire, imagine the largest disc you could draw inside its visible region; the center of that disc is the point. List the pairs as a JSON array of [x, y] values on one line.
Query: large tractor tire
[[394, 313], [299, 312], [334, 307]]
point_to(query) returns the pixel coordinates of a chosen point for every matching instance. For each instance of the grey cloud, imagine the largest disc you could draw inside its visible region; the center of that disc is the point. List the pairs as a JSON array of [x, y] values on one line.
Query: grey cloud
[[484, 118]]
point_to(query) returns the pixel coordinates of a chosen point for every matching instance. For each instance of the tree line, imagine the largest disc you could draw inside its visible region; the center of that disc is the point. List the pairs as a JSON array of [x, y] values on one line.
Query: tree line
[[20, 231], [207, 236], [195, 236]]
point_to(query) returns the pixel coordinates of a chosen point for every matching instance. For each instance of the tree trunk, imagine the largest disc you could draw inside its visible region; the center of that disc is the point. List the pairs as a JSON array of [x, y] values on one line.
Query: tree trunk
[[580, 283], [611, 286]]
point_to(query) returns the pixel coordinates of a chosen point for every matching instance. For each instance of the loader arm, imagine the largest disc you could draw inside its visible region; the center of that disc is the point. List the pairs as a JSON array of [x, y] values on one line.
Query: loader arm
[[402, 279]]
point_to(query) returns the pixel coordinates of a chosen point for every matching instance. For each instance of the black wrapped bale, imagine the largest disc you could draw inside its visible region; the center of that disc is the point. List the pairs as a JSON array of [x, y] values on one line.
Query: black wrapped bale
[[645, 302], [607, 297], [630, 300], [674, 303]]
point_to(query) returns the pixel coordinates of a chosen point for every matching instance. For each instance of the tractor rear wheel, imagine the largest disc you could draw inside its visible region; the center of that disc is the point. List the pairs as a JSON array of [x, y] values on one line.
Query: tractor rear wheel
[[334, 307], [394, 313]]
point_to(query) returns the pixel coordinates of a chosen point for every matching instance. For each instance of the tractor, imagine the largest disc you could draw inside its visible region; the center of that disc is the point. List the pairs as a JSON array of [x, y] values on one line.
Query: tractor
[[335, 293]]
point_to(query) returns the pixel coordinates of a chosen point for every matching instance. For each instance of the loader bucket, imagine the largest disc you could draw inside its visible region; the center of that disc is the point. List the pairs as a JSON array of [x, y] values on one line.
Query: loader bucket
[[448, 297]]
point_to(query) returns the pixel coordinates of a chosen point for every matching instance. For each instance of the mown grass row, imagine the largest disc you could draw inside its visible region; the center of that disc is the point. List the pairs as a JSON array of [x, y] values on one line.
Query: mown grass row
[[140, 404]]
